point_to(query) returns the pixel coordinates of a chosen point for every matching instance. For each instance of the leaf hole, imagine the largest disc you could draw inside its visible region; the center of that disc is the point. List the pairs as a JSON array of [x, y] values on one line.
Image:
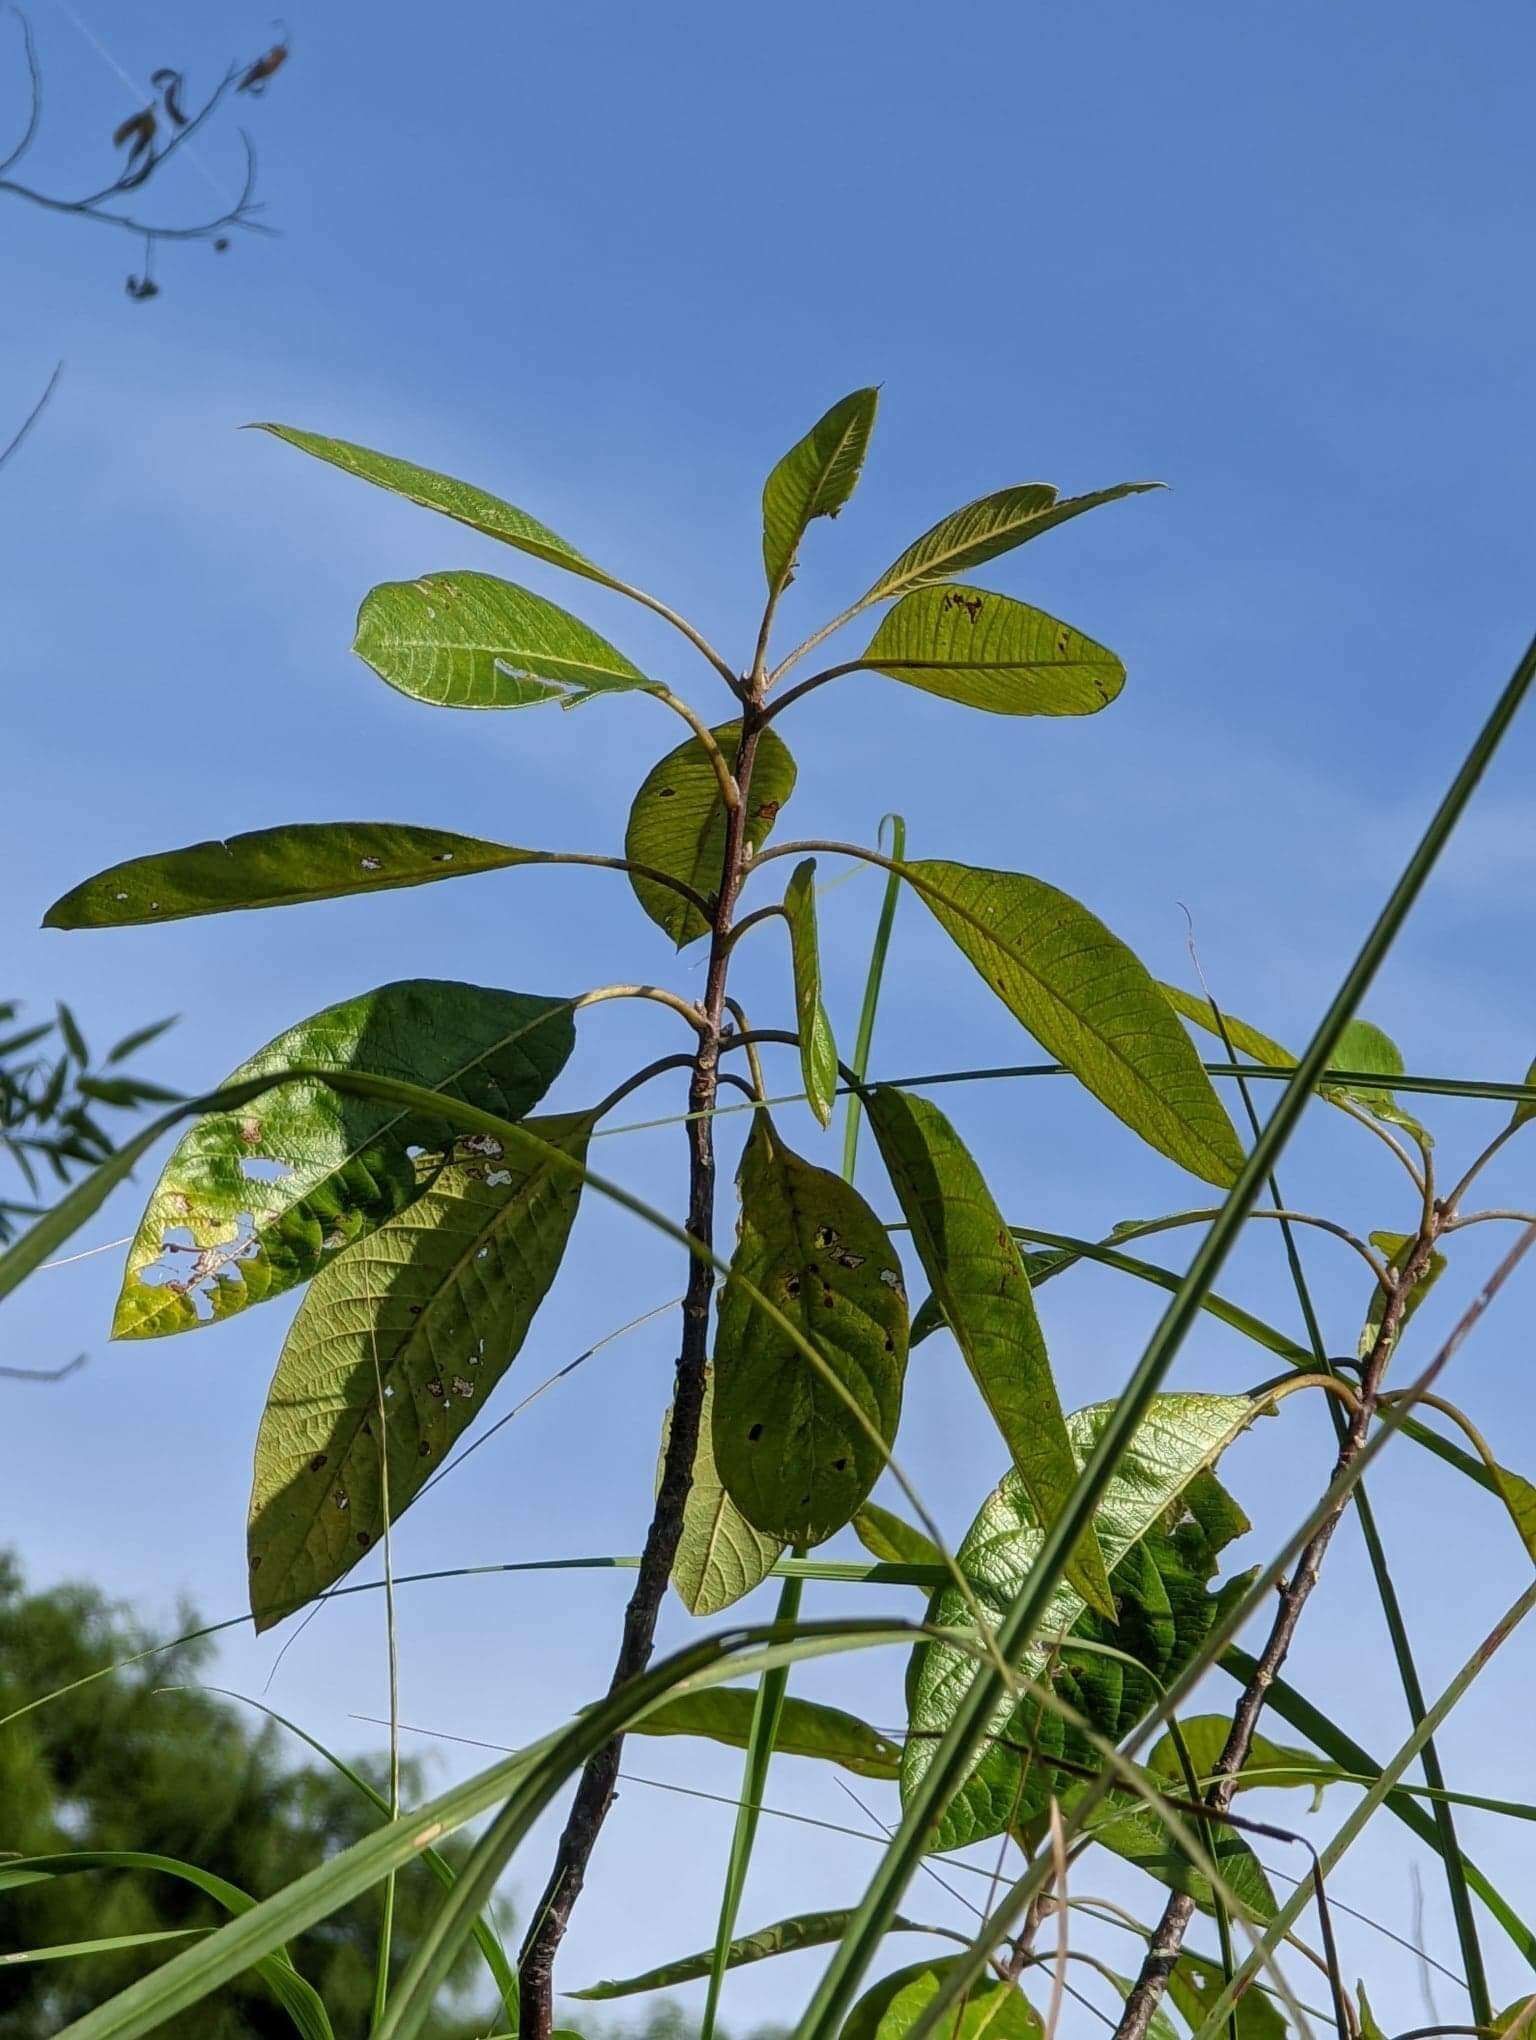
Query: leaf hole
[[754, 1433]]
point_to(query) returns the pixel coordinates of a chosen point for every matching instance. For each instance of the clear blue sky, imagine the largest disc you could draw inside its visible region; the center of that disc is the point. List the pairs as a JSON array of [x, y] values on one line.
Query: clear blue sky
[[610, 261]]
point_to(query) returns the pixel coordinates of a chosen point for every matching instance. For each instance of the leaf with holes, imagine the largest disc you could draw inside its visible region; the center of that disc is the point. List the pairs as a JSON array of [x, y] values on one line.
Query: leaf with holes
[[806, 1729], [814, 479], [461, 501], [793, 1456], [818, 1051], [1194, 1984], [1089, 1002], [419, 1321], [988, 651], [973, 1263], [252, 1202], [720, 1557], [281, 867], [1179, 1438], [784, 1937], [677, 823], [471, 641], [990, 2010]]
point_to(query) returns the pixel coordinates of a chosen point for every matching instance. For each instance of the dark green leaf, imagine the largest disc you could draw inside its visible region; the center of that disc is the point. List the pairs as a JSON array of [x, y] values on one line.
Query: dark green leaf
[[280, 867], [885, 1536], [140, 1038], [677, 823], [121, 1092], [973, 1262], [983, 529], [818, 1050], [806, 1729], [784, 1937], [428, 1312], [814, 479], [1527, 1111], [791, 1453], [470, 641], [992, 2010], [262, 1199], [988, 651], [1195, 1985], [74, 1040], [720, 1557], [1090, 1003], [1268, 1765]]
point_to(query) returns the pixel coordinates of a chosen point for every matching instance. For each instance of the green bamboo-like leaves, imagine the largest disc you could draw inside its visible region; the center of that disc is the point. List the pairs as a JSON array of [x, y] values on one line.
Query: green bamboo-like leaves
[[977, 1274], [818, 1050], [460, 500], [988, 651], [1181, 1436], [720, 1557], [992, 2010], [282, 867], [1089, 1002], [806, 1729], [814, 479], [677, 823], [471, 641], [253, 1201], [793, 1456], [991, 525], [394, 1353], [784, 1937]]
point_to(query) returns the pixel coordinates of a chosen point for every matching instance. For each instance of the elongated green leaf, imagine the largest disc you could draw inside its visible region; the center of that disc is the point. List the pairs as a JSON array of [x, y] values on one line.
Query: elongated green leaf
[[814, 479], [988, 651], [720, 1557], [1370, 2027], [1089, 1002], [784, 1937], [429, 1310], [1180, 1437], [806, 1729], [1268, 1765], [1397, 1249], [818, 1051], [677, 823], [790, 1452], [263, 1199], [470, 641], [973, 1262], [888, 1537], [1195, 1984], [993, 2010], [280, 867], [460, 500], [983, 529], [107, 1944]]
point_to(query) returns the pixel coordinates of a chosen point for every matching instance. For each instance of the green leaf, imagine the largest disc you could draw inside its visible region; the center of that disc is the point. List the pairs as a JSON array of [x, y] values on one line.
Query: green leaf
[[720, 1557], [1398, 1250], [806, 1729], [784, 1937], [1518, 2011], [74, 1040], [993, 2010], [280, 867], [1370, 2028], [141, 1037], [1090, 1003], [983, 529], [459, 500], [973, 1263], [677, 823], [1268, 1765], [470, 641], [1526, 1111], [1195, 1984], [793, 1457], [267, 1196], [818, 1051], [887, 1537], [429, 1311], [814, 479], [988, 651], [1179, 1438]]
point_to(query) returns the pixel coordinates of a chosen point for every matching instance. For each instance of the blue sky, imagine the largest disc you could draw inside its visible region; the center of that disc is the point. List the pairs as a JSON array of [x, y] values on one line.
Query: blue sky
[[610, 262]]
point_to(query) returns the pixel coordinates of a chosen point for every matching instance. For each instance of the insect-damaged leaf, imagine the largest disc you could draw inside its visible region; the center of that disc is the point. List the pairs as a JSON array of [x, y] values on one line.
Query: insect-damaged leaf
[[1180, 1437], [988, 651], [260, 1199], [677, 823], [427, 1313], [992, 2010], [281, 867], [814, 479], [977, 1273], [806, 1729], [720, 1557], [1195, 1985], [818, 1050], [1089, 1002], [793, 1456], [471, 641], [784, 1937]]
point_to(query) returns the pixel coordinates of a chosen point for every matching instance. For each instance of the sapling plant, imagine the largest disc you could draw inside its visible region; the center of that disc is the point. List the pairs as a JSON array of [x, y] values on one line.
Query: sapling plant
[[389, 1156]]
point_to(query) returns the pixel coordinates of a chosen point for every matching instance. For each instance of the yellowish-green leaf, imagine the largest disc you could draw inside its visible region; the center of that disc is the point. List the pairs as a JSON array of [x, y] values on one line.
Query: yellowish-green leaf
[[1268, 1765], [1195, 1985], [806, 1729], [394, 1353], [793, 1456], [977, 1274], [677, 823], [784, 1937], [814, 479], [818, 1050], [988, 651], [991, 2010], [1397, 1248], [1089, 1002], [720, 1557], [886, 1536]]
